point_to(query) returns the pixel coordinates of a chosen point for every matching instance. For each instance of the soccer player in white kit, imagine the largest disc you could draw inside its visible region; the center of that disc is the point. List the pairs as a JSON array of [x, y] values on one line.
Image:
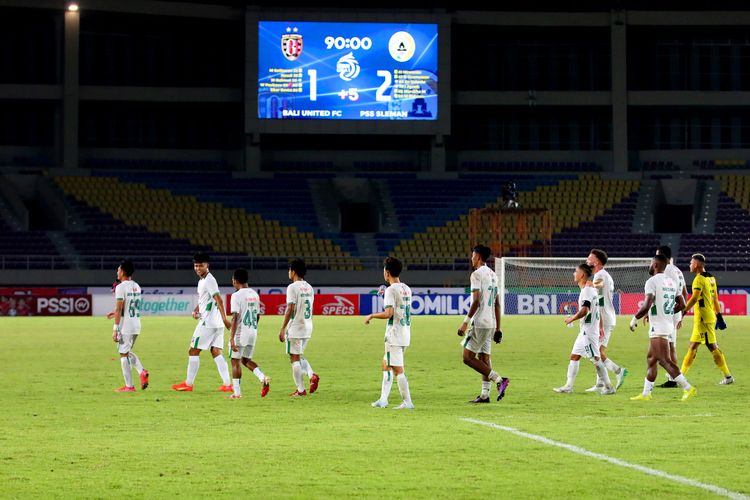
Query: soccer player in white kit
[[662, 293], [245, 317], [127, 327], [297, 327], [675, 273], [397, 310], [587, 341], [483, 323], [209, 333], [605, 287]]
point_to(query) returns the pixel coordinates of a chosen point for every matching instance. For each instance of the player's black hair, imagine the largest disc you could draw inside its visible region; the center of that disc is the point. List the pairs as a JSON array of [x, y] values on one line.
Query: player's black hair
[[601, 255], [240, 276], [699, 256], [662, 259], [483, 252], [299, 267], [200, 258], [393, 266], [587, 269], [127, 267], [665, 251]]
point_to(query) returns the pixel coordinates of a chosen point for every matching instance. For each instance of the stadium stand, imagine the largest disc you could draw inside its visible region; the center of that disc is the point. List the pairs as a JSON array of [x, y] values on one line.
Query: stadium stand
[[729, 246], [201, 214]]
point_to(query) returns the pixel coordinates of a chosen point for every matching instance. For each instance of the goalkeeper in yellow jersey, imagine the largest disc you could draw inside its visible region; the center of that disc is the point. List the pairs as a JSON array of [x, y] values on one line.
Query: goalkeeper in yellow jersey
[[707, 318]]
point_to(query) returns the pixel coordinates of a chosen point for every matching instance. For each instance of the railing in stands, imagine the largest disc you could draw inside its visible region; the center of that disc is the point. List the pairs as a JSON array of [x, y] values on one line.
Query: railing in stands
[[219, 262]]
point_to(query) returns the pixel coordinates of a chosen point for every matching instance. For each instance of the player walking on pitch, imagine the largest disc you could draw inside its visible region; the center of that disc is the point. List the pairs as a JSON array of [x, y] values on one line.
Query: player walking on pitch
[[483, 324], [605, 287], [209, 333], [297, 327], [397, 310], [663, 297], [127, 327], [675, 273], [706, 319], [245, 317], [587, 342]]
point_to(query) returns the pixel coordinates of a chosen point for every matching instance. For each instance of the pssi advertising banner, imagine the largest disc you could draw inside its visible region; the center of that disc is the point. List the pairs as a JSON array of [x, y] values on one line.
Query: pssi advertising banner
[[46, 305]]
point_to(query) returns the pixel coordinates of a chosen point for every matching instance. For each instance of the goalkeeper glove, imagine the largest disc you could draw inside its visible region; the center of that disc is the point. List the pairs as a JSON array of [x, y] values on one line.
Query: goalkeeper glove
[[498, 336], [633, 323], [720, 325]]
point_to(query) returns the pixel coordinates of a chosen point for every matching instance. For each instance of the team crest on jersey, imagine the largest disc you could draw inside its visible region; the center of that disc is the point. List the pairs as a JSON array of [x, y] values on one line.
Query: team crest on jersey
[[291, 46]]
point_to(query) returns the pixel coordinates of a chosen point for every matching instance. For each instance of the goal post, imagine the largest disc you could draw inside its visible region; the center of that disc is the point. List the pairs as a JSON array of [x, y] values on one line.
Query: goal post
[[544, 285]]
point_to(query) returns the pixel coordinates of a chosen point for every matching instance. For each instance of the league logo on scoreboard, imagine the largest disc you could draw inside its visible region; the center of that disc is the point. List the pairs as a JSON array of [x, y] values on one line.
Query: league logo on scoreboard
[[291, 44]]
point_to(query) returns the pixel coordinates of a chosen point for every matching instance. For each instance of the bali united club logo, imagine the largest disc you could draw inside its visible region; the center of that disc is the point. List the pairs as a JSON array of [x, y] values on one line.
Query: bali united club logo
[[291, 44]]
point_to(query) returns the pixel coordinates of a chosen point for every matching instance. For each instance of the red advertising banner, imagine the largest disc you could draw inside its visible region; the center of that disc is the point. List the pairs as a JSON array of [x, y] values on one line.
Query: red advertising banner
[[48, 305], [731, 304], [326, 304]]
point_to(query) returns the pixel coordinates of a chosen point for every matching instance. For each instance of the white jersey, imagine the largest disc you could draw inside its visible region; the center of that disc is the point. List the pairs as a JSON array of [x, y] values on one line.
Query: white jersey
[[246, 305], [664, 290], [207, 307], [484, 280], [675, 273], [130, 293], [301, 294], [605, 302], [398, 329], [589, 324]]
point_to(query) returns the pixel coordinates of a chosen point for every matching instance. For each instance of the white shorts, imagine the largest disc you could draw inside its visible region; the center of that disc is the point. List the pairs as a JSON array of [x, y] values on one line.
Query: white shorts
[[586, 346], [394, 355], [604, 341], [658, 335], [206, 338], [478, 340], [296, 346], [243, 351], [125, 343]]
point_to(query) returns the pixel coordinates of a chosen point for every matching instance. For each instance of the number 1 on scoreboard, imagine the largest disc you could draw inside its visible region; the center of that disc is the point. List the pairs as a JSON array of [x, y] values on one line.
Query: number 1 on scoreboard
[[313, 74]]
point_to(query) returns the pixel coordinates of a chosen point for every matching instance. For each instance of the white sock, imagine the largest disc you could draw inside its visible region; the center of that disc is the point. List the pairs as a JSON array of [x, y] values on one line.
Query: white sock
[[236, 386], [599, 381], [612, 366], [485, 389], [385, 388], [572, 372], [306, 367], [601, 370], [403, 388], [297, 376], [669, 377], [682, 382], [648, 387], [261, 376], [126, 373], [135, 361], [494, 376], [194, 362], [223, 368]]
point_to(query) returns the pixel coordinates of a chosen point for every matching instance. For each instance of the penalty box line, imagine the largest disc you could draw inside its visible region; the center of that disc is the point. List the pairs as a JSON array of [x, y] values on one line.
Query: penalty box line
[[616, 461]]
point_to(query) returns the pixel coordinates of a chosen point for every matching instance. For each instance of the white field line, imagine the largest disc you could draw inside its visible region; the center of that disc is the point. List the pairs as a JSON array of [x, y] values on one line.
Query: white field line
[[616, 461]]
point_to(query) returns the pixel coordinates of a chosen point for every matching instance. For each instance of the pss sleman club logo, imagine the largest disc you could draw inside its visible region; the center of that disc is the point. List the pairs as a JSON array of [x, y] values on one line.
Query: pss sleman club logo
[[291, 44]]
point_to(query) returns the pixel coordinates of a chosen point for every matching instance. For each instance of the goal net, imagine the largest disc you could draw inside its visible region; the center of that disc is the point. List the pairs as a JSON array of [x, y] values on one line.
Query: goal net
[[545, 285]]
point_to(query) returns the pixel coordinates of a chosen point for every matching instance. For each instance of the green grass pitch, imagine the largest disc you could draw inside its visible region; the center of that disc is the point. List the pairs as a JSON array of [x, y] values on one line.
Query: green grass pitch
[[65, 433]]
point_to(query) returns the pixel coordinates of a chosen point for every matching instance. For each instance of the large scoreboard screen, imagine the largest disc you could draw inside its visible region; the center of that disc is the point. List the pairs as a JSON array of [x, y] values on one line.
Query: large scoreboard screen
[[347, 71]]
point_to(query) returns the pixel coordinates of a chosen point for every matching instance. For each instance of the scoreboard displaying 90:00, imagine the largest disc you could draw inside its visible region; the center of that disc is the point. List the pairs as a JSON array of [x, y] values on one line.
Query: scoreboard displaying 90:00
[[347, 71]]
